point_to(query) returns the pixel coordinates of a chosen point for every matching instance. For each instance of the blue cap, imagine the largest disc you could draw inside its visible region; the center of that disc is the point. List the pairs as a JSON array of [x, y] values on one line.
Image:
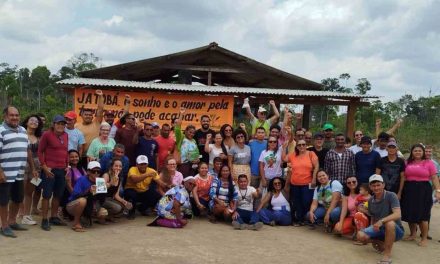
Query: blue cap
[[59, 118]]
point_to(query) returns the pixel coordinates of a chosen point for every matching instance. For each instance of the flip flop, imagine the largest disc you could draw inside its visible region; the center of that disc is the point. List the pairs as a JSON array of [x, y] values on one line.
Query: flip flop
[[78, 229], [385, 261]]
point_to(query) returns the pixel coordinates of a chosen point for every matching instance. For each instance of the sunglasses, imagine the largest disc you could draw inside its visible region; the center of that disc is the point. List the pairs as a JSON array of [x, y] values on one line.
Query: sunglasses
[[277, 183], [351, 182], [272, 141], [239, 137], [95, 171], [301, 145]]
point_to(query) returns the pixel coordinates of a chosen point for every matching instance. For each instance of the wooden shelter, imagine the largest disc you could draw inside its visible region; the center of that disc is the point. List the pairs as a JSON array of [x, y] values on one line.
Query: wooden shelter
[[218, 71]]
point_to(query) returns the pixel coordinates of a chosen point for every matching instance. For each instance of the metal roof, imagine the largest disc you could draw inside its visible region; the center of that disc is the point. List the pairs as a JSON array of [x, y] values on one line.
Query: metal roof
[[206, 89]]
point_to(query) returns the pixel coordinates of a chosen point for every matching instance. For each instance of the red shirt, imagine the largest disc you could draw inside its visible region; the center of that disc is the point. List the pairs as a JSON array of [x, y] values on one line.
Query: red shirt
[[52, 150], [166, 145]]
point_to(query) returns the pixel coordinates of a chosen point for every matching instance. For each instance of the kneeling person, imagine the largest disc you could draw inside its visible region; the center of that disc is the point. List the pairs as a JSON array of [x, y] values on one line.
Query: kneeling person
[[245, 214], [384, 209]]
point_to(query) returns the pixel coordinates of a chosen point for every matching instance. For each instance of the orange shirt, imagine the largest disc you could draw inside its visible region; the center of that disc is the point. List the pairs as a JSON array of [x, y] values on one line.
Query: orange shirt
[[302, 167]]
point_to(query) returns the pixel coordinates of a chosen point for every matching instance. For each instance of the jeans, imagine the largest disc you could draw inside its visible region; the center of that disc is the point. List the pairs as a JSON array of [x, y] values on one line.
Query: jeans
[[146, 199], [320, 214], [301, 199], [247, 217], [281, 217], [54, 185], [195, 209]]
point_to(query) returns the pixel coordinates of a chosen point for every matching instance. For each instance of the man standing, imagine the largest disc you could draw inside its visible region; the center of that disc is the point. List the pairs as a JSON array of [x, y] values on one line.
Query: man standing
[[125, 136], [329, 140], [200, 137], [14, 153], [76, 137], [90, 126], [392, 169], [382, 141], [366, 160], [318, 142], [260, 120], [257, 146], [53, 156], [386, 228], [156, 130], [166, 145], [147, 146], [339, 162]]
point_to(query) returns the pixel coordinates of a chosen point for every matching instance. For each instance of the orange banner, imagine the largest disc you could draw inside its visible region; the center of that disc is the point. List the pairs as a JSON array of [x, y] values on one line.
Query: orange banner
[[161, 107]]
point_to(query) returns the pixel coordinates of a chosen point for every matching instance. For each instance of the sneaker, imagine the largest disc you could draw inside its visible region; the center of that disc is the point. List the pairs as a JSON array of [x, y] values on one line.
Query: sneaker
[[7, 232], [272, 223], [257, 226], [18, 227], [56, 221], [236, 225], [28, 220], [45, 225]]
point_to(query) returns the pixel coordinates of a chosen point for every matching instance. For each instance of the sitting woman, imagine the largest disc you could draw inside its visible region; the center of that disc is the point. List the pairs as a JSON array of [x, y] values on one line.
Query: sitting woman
[[114, 203], [325, 205], [170, 176], [200, 193], [72, 175], [174, 208], [353, 199], [82, 200], [223, 196], [278, 196]]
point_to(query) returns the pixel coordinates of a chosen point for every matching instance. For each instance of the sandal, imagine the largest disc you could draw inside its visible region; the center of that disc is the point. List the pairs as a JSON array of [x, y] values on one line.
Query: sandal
[[78, 229], [377, 246], [359, 243], [385, 261]]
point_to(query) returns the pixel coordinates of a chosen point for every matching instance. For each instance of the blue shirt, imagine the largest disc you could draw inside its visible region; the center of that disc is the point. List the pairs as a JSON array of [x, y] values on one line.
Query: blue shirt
[[256, 148], [106, 160], [149, 148], [76, 138], [81, 188], [366, 165]]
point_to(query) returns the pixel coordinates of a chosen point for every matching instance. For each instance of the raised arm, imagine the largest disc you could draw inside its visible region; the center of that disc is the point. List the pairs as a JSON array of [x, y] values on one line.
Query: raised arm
[[248, 111], [100, 109], [276, 115]]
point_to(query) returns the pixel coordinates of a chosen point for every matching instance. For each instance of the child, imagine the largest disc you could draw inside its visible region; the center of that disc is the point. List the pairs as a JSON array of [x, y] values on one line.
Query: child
[[361, 218], [364, 196]]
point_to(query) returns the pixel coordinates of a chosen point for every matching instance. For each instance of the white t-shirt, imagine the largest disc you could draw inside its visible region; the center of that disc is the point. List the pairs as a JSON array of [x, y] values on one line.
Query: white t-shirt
[[245, 200], [213, 153], [272, 163], [355, 149]]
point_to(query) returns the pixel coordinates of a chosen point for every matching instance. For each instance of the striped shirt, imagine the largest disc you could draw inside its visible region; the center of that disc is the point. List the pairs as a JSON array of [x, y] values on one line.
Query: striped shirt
[[13, 151]]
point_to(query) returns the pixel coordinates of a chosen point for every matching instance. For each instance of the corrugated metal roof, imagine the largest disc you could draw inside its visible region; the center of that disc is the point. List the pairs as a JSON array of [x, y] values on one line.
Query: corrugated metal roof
[[206, 89]]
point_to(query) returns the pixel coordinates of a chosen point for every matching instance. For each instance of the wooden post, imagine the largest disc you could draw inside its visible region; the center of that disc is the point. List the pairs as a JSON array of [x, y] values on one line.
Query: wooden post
[[351, 111], [209, 78], [306, 117]]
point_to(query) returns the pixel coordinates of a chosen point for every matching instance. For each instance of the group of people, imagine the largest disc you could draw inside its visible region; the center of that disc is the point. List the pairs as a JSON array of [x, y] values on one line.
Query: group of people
[[270, 173]]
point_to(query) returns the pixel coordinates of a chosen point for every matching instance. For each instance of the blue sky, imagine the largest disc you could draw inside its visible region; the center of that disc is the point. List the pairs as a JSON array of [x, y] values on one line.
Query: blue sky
[[394, 44]]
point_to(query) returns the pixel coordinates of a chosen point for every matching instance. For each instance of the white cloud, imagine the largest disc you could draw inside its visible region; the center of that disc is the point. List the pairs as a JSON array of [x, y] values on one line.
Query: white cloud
[[115, 20]]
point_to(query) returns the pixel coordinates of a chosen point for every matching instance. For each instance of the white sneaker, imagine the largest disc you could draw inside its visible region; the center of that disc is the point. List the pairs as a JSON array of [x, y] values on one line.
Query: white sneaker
[[27, 220]]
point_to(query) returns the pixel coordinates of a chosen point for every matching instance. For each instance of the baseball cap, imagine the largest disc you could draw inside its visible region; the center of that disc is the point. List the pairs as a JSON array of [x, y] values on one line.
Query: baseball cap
[[110, 112], [93, 164], [261, 109], [327, 126], [59, 118], [366, 139], [141, 159], [318, 135], [70, 115], [154, 124], [375, 177], [392, 144]]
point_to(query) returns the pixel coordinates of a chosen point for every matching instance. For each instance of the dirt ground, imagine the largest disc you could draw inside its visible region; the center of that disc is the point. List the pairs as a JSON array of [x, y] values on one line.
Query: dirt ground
[[201, 242]]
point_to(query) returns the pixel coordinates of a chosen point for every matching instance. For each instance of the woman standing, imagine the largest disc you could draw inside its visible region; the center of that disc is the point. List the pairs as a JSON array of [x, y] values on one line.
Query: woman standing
[[304, 166], [226, 131], [239, 156], [218, 149], [189, 152], [200, 193], [34, 129], [416, 200], [170, 176], [223, 196], [278, 196], [102, 144], [270, 161]]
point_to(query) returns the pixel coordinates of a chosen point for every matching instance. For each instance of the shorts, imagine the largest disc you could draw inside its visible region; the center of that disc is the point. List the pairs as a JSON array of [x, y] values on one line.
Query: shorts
[[54, 185], [13, 191], [28, 173], [380, 235], [70, 207]]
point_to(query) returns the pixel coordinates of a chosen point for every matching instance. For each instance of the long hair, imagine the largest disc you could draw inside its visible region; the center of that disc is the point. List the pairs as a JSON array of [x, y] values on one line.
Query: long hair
[[222, 130], [418, 145], [275, 151], [222, 144], [165, 172], [39, 130], [346, 190], [231, 187], [270, 188], [110, 172]]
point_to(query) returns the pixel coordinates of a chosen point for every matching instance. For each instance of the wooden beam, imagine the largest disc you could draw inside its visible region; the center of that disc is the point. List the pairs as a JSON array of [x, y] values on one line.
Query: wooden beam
[[209, 78], [351, 111], [204, 68], [306, 117]]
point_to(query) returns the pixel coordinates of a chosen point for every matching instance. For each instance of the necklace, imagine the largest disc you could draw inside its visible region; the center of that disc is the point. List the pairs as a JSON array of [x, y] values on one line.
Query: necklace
[[243, 197]]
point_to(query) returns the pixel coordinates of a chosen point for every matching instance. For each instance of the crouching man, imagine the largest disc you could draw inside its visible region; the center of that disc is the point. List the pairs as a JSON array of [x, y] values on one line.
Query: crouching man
[[384, 209]]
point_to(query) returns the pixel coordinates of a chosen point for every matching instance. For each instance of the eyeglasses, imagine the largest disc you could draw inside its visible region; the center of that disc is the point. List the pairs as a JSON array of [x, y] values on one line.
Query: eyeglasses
[[351, 182], [95, 171], [228, 130], [35, 121], [301, 145], [277, 183], [239, 137], [272, 141], [172, 164]]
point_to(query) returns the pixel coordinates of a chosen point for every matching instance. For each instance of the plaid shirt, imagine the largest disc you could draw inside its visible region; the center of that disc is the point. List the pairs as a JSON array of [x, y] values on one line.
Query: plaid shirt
[[340, 167]]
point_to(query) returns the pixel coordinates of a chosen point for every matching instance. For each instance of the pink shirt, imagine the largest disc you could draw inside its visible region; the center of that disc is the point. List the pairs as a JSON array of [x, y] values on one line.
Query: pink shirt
[[351, 205], [177, 178], [420, 171]]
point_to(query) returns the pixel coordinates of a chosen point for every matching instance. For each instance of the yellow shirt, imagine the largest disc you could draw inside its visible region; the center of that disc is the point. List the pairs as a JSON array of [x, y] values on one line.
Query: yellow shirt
[[143, 185], [90, 132]]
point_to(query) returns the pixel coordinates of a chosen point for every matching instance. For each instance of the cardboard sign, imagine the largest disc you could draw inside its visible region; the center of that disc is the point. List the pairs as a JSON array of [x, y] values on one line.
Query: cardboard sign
[[161, 107]]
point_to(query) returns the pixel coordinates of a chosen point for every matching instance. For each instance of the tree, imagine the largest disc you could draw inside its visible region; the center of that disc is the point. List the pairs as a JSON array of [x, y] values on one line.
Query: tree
[[78, 63], [363, 86]]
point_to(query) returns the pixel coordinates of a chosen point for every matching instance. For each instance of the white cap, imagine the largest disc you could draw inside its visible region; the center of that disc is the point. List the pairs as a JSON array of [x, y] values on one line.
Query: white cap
[[93, 164], [189, 178], [141, 159], [262, 109], [375, 177]]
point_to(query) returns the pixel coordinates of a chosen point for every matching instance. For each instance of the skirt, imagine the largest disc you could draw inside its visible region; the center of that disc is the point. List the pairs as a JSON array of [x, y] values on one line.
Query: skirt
[[416, 201]]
